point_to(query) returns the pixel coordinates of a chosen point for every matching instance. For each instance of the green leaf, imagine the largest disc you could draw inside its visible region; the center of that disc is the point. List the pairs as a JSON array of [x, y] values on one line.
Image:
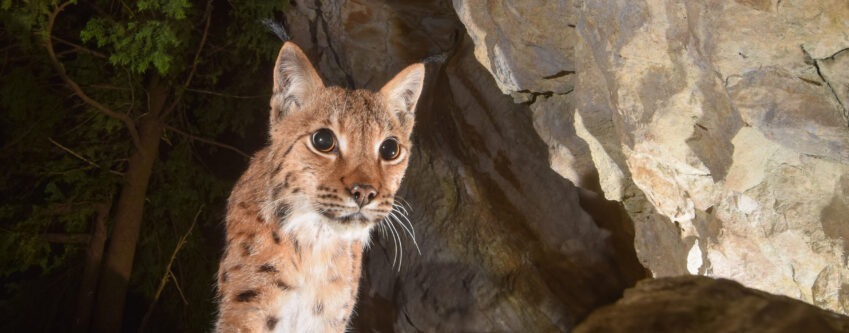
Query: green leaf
[[47, 190], [175, 9], [53, 193], [137, 45]]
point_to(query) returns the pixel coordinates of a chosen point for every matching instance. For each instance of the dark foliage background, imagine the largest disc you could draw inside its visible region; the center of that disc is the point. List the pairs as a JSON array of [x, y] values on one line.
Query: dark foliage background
[[65, 160]]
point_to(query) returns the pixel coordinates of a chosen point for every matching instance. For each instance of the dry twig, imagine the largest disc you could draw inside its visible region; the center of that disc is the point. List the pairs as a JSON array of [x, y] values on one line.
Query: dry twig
[[80, 157], [214, 93], [208, 15], [207, 141], [79, 48], [168, 274]]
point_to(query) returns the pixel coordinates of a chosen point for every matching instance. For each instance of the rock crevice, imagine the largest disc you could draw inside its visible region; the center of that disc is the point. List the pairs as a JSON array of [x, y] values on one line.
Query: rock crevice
[[566, 149]]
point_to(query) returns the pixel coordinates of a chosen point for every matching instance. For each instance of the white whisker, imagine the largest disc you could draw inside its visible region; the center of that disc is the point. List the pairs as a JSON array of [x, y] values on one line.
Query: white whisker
[[404, 202], [382, 229], [408, 230], [394, 243], [399, 215], [396, 206], [410, 223], [400, 249]]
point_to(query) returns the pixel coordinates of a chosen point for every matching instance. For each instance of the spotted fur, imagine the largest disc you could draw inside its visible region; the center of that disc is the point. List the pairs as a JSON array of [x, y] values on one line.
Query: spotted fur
[[295, 232]]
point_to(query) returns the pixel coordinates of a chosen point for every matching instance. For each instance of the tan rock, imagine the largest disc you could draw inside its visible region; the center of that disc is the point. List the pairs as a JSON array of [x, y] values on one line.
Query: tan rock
[[729, 128], [526, 45], [698, 304], [721, 126]]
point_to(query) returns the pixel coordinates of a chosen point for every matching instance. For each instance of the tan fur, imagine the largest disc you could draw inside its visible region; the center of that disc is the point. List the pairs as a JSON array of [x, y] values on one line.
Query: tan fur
[[294, 238]]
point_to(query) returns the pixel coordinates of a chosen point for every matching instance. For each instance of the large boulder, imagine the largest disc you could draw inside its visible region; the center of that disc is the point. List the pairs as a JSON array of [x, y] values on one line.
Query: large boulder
[[695, 304], [721, 126]]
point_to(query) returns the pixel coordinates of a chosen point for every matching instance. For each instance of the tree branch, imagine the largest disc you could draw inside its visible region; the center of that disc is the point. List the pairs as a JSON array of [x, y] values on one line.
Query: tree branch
[[79, 47], [80, 157], [208, 92], [177, 285], [208, 15], [207, 141], [60, 69], [168, 273]]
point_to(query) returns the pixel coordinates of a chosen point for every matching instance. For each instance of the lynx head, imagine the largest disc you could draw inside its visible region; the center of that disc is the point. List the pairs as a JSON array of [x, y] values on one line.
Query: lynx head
[[337, 156]]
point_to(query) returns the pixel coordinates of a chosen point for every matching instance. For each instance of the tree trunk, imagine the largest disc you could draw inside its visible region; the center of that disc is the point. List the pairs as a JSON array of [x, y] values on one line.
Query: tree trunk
[[128, 218], [94, 260]]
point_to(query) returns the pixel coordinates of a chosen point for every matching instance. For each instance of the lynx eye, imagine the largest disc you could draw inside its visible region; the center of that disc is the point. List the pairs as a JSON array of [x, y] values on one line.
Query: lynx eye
[[389, 149], [324, 140]]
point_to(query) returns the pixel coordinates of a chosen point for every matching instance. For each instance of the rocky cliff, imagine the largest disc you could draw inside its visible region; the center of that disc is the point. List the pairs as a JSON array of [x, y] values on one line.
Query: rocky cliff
[[722, 126], [566, 149]]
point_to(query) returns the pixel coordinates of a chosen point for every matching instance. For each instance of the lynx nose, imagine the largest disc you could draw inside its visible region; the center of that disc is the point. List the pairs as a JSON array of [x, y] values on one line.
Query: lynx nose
[[363, 194]]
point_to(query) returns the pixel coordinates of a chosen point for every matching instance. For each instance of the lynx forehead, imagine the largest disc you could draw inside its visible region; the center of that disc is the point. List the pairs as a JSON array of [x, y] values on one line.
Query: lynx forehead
[[299, 217]]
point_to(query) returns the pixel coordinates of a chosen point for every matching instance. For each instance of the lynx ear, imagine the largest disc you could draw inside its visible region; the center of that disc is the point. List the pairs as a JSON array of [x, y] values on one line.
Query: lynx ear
[[295, 82], [402, 92]]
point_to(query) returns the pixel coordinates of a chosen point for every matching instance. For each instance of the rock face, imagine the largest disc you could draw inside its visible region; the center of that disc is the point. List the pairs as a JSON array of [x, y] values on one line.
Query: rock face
[[528, 46], [722, 126], [699, 304], [559, 144], [507, 244]]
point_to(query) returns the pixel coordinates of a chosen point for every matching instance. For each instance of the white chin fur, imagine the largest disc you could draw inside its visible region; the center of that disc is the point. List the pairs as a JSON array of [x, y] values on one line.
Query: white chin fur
[[313, 228], [317, 229]]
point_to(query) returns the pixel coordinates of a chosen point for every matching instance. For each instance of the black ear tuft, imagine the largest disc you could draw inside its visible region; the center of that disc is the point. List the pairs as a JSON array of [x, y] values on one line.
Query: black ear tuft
[[276, 28]]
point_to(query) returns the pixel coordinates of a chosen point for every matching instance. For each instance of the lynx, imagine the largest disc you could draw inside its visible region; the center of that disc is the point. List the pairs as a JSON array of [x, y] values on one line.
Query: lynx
[[300, 216]]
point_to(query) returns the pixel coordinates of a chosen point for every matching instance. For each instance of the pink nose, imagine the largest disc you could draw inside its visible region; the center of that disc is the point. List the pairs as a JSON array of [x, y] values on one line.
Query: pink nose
[[363, 194]]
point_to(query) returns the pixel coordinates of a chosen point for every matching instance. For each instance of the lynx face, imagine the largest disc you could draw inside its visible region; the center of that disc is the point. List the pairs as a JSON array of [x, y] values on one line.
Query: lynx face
[[338, 156]]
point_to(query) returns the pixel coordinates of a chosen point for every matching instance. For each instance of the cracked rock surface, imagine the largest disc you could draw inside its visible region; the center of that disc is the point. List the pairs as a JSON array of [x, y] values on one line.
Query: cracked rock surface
[[721, 126]]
